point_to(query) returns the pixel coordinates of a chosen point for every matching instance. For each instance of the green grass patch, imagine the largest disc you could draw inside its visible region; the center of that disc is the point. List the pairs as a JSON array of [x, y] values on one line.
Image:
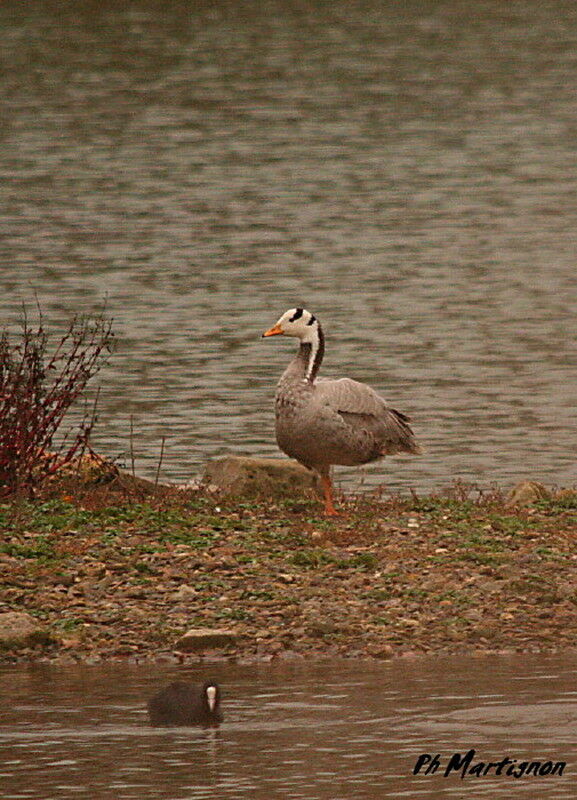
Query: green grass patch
[[509, 523], [310, 559], [256, 594], [444, 506], [379, 595], [565, 501], [317, 557], [40, 547], [456, 597], [235, 614], [482, 559], [68, 625]]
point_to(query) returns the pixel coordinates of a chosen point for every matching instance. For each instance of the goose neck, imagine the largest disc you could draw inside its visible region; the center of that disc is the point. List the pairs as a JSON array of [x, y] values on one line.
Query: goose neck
[[311, 353]]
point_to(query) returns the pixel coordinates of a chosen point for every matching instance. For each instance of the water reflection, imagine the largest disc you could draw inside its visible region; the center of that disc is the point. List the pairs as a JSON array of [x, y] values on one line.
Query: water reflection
[[406, 172], [321, 730]]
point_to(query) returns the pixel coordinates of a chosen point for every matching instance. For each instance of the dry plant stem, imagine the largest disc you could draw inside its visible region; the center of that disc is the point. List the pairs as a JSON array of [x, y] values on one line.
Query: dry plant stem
[[132, 460], [160, 461], [36, 392]]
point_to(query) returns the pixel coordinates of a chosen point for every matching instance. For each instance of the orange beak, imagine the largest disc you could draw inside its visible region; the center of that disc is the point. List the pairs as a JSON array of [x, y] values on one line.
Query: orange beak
[[274, 331]]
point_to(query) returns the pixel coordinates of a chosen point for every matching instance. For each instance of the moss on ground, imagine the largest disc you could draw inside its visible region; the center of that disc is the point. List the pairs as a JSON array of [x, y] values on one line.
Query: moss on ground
[[117, 576]]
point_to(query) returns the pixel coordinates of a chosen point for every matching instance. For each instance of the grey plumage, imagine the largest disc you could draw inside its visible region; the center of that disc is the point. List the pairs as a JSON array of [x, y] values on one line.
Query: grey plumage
[[320, 421]]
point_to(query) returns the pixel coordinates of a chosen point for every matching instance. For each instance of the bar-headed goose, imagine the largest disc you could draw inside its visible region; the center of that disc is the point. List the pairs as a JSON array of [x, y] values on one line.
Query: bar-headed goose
[[321, 421]]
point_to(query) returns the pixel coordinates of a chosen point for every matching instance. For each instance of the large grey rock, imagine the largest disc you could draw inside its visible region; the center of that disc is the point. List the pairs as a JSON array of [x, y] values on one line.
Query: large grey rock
[[199, 639], [260, 477], [18, 629]]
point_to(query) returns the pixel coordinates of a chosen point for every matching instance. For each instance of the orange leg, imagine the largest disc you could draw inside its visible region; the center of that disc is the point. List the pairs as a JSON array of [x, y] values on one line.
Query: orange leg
[[330, 510]]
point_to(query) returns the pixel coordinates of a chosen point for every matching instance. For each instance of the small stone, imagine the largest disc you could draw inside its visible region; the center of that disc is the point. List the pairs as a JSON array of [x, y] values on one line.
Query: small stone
[[198, 639], [184, 593], [322, 628], [410, 622], [456, 635], [382, 651], [18, 629], [136, 593]]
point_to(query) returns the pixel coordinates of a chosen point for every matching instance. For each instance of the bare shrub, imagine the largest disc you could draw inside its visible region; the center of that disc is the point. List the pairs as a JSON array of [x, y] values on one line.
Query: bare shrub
[[37, 390]]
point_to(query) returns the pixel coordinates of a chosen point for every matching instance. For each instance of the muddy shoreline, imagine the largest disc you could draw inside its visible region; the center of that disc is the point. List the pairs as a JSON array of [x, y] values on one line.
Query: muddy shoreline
[[114, 574]]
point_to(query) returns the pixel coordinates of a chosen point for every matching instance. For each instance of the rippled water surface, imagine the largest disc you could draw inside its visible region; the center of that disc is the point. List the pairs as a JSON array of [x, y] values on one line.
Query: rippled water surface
[[407, 171], [328, 731]]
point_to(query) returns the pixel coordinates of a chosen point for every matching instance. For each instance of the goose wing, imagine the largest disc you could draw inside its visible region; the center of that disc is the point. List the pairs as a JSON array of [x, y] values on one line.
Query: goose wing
[[360, 407], [349, 396]]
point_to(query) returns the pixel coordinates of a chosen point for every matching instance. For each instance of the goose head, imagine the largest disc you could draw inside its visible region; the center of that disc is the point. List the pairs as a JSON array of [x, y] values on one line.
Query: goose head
[[296, 322]]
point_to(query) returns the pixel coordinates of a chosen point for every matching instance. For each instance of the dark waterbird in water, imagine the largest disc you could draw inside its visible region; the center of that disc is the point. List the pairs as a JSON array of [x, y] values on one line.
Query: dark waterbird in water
[[182, 703]]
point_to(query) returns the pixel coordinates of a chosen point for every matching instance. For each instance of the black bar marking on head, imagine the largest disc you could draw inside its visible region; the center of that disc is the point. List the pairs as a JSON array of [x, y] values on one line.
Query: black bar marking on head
[[312, 319], [297, 315]]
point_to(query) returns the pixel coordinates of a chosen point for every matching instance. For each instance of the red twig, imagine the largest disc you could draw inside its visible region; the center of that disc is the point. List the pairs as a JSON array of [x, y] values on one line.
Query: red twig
[[37, 389]]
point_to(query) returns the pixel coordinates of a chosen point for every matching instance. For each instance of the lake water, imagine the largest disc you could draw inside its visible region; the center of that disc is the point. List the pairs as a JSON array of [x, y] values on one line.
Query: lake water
[[407, 171], [325, 731]]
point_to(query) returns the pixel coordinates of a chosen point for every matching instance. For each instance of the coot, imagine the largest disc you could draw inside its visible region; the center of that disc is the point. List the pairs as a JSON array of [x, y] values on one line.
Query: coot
[[182, 703]]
